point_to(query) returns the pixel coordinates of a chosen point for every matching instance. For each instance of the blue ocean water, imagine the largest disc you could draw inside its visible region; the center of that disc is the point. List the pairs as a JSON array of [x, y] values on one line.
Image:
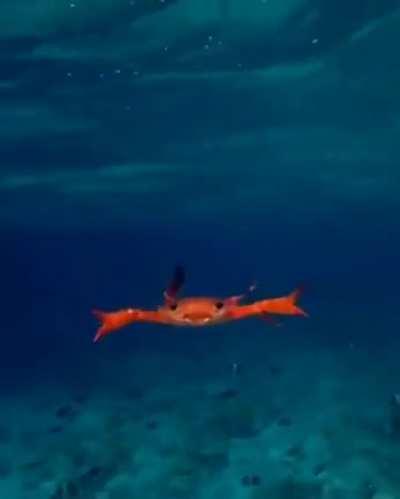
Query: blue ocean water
[[248, 141]]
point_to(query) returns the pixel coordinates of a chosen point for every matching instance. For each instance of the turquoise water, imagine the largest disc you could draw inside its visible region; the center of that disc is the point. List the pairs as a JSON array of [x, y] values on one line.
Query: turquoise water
[[246, 140]]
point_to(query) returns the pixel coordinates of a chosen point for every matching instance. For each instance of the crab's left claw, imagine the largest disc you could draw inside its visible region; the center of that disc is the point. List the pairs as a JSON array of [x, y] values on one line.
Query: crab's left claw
[[112, 321]]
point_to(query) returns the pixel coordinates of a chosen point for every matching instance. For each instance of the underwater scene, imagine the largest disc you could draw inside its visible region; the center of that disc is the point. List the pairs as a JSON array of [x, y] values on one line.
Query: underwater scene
[[200, 240]]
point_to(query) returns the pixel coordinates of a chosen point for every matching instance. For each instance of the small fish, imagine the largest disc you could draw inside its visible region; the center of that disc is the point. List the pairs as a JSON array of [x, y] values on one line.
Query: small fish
[[197, 311]]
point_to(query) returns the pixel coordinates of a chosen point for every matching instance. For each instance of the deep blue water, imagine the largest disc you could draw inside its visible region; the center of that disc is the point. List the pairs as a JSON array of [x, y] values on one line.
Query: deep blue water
[[243, 139]]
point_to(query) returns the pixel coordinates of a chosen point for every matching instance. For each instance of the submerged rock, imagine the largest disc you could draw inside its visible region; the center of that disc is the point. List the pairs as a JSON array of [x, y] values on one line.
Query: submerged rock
[[238, 420], [65, 412], [251, 481], [296, 451], [88, 484], [319, 469]]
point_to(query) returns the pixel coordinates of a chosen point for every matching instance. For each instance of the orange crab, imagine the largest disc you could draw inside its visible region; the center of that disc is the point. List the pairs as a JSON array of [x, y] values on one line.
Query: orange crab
[[197, 311]]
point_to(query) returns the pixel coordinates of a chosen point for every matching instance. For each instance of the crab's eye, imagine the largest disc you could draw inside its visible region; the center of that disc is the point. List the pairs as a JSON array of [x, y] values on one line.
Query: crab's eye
[[219, 305], [173, 306]]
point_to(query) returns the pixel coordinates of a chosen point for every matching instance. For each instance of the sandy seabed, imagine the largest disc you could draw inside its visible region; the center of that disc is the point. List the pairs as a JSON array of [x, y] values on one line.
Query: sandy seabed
[[252, 412]]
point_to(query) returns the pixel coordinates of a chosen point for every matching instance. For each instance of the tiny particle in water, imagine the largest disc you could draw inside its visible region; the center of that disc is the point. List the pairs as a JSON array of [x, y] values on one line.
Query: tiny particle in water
[[315, 40], [72, 5], [206, 46]]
